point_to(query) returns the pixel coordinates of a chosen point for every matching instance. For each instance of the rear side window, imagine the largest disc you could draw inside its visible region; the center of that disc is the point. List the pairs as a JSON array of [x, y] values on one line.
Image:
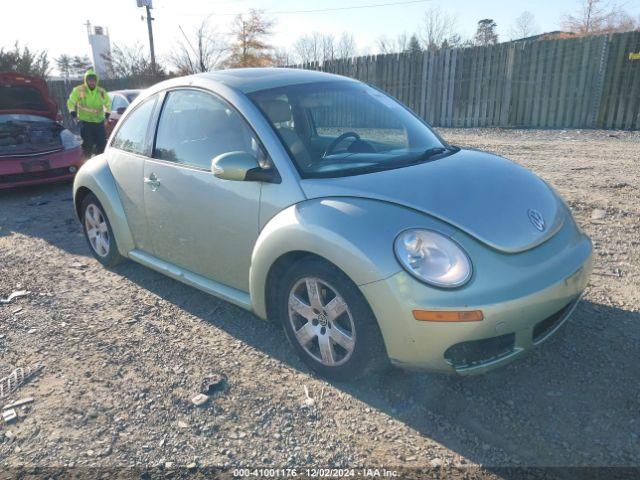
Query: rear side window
[[195, 127], [132, 134]]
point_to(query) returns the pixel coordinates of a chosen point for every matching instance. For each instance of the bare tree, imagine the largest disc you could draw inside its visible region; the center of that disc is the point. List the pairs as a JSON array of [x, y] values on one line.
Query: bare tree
[[599, 16], [393, 45], [251, 47], [132, 62], [456, 41], [202, 53], [328, 47], [309, 48], [283, 57], [402, 41], [589, 20], [385, 45], [486, 33], [524, 26], [316, 47], [346, 47], [621, 21], [438, 29]]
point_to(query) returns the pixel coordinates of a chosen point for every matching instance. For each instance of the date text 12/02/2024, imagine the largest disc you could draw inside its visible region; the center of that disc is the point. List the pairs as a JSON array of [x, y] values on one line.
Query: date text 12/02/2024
[[314, 472]]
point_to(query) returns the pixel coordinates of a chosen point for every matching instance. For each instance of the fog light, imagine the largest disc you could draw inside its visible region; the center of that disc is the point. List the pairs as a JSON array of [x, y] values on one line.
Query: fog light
[[73, 169]]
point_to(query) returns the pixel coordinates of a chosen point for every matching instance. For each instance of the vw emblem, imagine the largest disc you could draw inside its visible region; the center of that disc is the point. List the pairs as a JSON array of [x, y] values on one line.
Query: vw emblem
[[536, 218]]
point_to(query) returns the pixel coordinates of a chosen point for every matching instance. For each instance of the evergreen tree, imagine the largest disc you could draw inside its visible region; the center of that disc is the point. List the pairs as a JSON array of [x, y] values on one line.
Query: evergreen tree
[[486, 33], [414, 45], [23, 60]]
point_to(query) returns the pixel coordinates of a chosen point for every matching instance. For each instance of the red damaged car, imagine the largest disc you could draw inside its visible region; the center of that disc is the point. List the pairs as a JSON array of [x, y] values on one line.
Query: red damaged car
[[34, 147]]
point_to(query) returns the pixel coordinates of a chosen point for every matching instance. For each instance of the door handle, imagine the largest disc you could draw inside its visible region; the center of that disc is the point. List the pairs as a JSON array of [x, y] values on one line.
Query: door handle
[[152, 181]]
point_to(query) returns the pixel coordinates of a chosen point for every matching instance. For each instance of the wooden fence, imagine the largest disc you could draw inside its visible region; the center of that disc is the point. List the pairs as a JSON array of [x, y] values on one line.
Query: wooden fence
[[588, 82]]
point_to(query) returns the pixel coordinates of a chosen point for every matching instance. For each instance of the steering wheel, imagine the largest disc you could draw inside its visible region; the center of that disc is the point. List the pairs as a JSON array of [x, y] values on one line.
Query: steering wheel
[[338, 140]]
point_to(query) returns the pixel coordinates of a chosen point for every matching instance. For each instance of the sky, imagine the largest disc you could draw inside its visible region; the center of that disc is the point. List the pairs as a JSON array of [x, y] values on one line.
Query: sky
[[58, 26]]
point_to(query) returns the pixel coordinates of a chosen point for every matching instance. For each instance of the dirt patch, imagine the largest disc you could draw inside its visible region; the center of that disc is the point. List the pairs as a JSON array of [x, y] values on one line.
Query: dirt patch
[[126, 350]]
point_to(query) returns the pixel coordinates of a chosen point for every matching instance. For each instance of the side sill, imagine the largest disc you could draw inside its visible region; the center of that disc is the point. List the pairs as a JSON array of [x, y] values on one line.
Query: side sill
[[230, 294]]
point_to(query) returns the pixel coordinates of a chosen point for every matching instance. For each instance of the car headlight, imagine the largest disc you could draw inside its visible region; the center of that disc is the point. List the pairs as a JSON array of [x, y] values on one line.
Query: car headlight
[[433, 258]]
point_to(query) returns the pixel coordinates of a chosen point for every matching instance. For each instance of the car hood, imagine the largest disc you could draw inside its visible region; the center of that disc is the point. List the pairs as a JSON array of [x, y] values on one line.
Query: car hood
[[26, 94], [482, 194]]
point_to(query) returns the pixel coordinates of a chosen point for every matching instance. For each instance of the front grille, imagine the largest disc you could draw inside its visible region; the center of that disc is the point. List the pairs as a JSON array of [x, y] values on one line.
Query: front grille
[[477, 352], [545, 326], [38, 175]]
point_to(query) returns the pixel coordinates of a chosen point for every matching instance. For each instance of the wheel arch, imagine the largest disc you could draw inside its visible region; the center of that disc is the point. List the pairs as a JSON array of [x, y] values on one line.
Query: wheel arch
[[350, 233], [78, 198], [276, 271], [96, 178]]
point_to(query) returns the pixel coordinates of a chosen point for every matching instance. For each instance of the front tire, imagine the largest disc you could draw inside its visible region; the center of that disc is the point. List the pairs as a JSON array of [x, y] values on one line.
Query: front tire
[[98, 232], [329, 322]]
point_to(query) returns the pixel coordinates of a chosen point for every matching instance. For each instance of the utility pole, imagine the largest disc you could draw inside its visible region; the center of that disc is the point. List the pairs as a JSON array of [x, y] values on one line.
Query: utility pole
[[153, 52], [148, 6]]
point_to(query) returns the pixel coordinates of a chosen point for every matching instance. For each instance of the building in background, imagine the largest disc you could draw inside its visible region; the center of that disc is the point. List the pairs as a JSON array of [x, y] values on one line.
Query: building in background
[[100, 49]]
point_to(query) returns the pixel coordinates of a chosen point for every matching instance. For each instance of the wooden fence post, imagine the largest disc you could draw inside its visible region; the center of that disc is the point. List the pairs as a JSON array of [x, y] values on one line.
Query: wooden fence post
[[506, 93], [598, 85]]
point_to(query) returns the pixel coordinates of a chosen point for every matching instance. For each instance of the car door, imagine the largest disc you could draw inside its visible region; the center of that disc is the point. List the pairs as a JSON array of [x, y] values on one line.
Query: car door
[[197, 221], [126, 155]]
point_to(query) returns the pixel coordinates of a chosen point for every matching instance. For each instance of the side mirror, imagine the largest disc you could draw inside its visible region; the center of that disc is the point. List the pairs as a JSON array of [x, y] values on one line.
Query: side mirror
[[234, 165], [121, 110], [242, 166]]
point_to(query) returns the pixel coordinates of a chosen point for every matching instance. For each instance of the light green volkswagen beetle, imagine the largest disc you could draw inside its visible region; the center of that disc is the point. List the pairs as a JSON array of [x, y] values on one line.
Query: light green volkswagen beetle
[[325, 204]]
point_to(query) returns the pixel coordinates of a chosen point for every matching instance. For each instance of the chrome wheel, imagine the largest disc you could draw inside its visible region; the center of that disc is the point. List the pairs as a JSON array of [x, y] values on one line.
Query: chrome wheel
[[97, 231], [321, 321]]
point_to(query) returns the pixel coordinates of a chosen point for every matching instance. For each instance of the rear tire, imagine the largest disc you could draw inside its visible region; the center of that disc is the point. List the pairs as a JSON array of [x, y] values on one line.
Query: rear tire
[[329, 322], [98, 232]]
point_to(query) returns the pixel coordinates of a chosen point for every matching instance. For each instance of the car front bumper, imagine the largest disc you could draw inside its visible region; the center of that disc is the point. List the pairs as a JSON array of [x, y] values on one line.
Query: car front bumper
[[521, 309], [38, 169]]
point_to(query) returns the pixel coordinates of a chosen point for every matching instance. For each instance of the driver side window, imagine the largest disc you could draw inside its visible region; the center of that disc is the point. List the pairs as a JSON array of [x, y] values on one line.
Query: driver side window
[[196, 127]]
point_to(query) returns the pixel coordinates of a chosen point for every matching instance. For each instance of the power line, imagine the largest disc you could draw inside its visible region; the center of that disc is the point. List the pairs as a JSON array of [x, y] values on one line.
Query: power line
[[353, 7], [323, 10], [187, 40]]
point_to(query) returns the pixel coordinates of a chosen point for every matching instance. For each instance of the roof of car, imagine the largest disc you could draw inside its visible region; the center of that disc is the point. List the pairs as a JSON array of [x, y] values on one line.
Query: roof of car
[[250, 80], [125, 92]]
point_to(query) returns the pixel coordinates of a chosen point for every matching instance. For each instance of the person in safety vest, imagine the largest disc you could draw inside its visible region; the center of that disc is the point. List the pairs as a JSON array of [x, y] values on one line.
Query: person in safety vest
[[89, 105]]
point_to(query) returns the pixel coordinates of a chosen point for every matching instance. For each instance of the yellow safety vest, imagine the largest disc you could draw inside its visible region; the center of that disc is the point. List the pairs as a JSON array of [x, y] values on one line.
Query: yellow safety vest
[[89, 105]]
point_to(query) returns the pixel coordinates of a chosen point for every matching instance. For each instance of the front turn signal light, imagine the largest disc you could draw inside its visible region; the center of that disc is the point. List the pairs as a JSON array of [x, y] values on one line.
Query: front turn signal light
[[448, 315]]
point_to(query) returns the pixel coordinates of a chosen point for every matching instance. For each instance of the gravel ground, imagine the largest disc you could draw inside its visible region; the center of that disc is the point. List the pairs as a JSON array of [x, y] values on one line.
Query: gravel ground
[[126, 350]]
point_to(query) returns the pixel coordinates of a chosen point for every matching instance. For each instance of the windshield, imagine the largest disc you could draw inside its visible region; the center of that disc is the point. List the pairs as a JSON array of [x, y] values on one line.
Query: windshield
[[346, 128], [131, 96]]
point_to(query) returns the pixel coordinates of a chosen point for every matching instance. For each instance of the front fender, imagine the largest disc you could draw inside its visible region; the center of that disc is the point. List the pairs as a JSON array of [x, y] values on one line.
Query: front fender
[[96, 176], [355, 234]]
